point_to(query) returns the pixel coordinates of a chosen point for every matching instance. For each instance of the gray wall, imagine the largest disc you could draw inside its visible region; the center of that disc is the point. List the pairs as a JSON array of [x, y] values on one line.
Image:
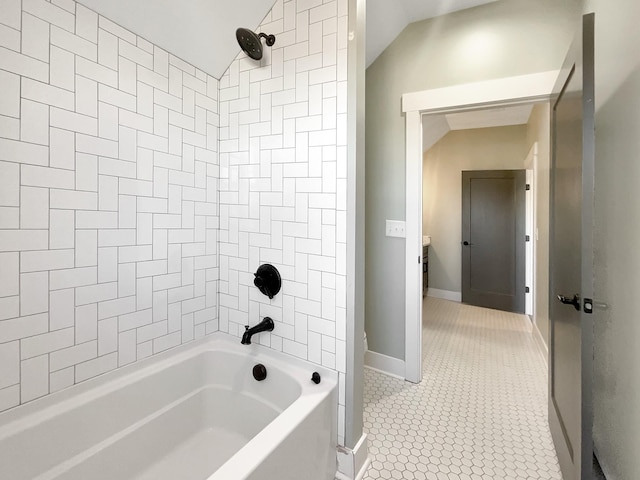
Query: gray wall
[[503, 148], [617, 222], [505, 38]]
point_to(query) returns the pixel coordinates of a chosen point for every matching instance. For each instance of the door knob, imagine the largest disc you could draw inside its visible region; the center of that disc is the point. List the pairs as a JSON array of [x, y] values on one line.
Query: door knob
[[575, 301]]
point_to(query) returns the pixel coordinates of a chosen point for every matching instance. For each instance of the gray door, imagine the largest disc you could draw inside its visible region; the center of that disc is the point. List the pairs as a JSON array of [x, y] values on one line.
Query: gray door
[[570, 347], [493, 239]]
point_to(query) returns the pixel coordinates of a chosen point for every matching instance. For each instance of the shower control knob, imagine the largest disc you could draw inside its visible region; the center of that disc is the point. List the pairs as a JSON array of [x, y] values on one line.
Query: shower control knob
[[315, 378], [268, 280]]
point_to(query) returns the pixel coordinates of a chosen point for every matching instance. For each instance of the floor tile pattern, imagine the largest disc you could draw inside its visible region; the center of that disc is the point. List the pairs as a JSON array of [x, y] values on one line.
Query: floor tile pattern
[[479, 412]]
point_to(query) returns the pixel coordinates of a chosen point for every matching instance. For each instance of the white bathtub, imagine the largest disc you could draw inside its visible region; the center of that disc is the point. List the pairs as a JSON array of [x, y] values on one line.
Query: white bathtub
[[194, 413]]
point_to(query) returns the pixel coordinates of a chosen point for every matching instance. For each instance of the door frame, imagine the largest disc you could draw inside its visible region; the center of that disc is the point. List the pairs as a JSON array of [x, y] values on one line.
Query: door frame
[[532, 88]]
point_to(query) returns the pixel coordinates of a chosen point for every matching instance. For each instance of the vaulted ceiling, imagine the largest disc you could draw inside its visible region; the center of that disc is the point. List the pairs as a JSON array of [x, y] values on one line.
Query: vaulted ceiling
[[202, 32]]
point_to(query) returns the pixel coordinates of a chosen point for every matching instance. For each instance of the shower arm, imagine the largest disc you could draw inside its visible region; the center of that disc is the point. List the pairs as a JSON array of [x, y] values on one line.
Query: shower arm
[[269, 39]]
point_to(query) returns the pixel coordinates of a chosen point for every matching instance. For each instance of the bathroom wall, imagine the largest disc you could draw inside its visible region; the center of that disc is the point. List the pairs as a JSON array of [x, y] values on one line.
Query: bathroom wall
[[501, 148], [616, 385], [283, 178], [500, 39], [108, 198]]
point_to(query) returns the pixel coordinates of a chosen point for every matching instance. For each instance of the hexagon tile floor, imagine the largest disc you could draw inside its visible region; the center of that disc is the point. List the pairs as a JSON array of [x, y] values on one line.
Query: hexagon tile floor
[[480, 411]]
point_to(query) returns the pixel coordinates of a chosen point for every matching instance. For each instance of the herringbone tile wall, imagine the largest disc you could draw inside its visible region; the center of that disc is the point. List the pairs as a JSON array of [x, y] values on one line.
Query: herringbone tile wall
[[108, 198]]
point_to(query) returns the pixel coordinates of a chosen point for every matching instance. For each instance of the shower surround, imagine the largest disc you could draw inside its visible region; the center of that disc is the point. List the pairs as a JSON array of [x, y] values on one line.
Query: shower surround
[[139, 194]]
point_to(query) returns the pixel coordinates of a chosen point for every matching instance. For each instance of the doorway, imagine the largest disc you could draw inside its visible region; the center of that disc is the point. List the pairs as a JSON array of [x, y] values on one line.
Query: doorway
[[495, 93], [493, 233]]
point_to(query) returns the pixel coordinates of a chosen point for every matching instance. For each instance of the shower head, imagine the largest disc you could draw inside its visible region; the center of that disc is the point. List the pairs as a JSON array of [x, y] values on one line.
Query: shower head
[[250, 42]]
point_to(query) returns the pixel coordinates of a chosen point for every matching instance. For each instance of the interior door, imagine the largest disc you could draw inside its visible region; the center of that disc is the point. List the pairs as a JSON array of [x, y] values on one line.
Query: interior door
[[571, 331], [493, 239]]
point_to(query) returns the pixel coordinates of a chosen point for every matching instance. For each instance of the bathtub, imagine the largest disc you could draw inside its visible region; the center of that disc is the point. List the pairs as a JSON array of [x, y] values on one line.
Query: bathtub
[[192, 413]]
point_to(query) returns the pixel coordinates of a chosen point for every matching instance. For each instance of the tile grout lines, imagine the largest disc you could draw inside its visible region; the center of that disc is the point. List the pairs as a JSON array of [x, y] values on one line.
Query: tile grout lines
[[478, 414]]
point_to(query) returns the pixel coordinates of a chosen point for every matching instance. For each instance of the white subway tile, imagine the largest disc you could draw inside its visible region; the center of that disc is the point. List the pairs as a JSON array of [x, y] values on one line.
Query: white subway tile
[[86, 174], [61, 309], [23, 65], [73, 200], [10, 191], [9, 364], [39, 261], [74, 122], [10, 127], [136, 320], [135, 54], [73, 355], [34, 208], [74, 44], [35, 37], [46, 343], [50, 13], [9, 274], [91, 294], [20, 152], [11, 13], [86, 324], [116, 307], [9, 217], [159, 82], [98, 72], [33, 293], [97, 366], [116, 97], [127, 348], [46, 177], [107, 193], [107, 264], [87, 97], [74, 277], [107, 336], [86, 23], [34, 378], [117, 30], [61, 229], [62, 153], [61, 379]]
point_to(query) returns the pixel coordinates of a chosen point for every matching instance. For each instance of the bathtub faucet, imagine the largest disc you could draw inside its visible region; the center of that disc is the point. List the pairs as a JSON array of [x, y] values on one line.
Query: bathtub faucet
[[266, 325]]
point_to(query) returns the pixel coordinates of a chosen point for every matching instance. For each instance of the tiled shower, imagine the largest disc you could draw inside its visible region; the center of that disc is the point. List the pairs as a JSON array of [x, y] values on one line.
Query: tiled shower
[[139, 194]]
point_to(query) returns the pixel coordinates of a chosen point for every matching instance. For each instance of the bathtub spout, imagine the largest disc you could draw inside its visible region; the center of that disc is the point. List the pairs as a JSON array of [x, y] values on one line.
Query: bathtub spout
[[266, 325]]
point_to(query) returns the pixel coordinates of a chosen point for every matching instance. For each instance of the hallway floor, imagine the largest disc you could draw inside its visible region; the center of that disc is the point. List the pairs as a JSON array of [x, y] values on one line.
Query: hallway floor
[[480, 411]]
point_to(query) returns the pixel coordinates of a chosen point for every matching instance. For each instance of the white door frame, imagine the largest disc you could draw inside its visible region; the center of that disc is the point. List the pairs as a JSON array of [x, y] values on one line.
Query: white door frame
[[535, 87]]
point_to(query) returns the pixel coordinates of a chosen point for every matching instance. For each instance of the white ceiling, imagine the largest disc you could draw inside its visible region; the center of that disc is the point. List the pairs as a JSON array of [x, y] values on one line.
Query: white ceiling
[[434, 127], [202, 32], [387, 18]]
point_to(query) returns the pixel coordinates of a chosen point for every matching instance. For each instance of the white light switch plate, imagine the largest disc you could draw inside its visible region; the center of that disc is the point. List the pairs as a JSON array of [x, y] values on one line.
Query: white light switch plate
[[396, 228]]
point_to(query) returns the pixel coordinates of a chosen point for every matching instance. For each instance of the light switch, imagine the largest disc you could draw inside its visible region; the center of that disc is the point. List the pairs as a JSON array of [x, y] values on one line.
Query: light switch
[[396, 228]]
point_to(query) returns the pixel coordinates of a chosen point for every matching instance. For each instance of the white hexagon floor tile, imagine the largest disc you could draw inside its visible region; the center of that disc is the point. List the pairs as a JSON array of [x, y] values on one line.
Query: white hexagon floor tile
[[480, 411]]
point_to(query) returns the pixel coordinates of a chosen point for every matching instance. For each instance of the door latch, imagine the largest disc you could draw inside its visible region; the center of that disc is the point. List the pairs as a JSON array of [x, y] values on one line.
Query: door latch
[[575, 301]]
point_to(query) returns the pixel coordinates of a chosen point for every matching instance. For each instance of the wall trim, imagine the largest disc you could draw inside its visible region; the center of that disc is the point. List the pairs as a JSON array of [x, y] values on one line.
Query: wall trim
[[353, 464], [542, 346], [445, 294], [516, 90], [391, 366]]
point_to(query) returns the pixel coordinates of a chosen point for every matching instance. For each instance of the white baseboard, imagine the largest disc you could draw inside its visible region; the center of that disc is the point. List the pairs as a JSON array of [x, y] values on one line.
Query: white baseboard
[[382, 363], [444, 294], [353, 464], [542, 346]]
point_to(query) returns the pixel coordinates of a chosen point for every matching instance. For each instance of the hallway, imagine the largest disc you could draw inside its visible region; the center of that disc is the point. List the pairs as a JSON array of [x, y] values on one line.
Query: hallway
[[480, 411]]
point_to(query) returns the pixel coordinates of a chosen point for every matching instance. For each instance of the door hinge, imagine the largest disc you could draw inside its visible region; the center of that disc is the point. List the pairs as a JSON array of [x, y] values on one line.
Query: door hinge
[[588, 305], [527, 187], [527, 290], [527, 238], [418, 259]]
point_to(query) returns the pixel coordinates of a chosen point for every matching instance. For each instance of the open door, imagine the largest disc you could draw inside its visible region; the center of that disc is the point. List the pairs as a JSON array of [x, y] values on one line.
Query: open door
[[571, 256]]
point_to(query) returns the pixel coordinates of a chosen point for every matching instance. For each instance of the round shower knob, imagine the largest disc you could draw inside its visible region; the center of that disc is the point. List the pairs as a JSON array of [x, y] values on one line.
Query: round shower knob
[[268, 280]]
